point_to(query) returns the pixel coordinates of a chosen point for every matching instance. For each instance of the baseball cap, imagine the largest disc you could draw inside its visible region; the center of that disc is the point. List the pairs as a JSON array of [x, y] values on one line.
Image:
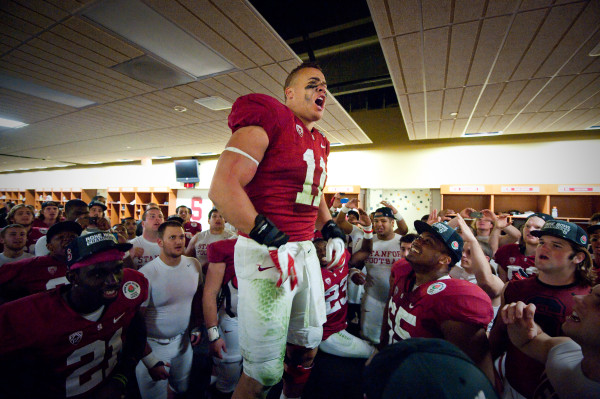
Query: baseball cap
[[544, 216], [49, 203], [84, 248], [353, 212], [562, 229], [425, 368], [447, 234], [97, 203], [593, 228], [384, 211], [63, 226]]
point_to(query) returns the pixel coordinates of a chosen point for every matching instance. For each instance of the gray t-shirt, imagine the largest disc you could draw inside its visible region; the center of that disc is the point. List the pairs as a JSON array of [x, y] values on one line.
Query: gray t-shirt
[[5, 259]]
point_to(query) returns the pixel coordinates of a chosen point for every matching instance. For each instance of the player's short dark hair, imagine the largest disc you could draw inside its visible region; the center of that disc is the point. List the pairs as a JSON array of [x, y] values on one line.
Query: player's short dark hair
[[127, 218], [408, 238], [213, 211], [294, 72], [74, 203], [11, 226], [168, 223], [182, 206]]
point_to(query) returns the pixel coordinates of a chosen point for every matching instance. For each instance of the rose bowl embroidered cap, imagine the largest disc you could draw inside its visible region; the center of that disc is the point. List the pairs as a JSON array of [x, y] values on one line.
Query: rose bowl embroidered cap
[[565, 230], [84, 247], [447, 234], [425, 368]]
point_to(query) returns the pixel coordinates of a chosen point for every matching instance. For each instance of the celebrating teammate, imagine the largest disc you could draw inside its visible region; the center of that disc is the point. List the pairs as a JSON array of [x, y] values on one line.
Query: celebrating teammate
[[268, 183], [75, 333]]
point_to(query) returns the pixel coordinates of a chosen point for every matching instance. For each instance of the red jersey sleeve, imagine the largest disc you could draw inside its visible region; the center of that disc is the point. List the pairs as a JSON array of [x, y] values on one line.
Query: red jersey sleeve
[[465, 302], [255, 110]]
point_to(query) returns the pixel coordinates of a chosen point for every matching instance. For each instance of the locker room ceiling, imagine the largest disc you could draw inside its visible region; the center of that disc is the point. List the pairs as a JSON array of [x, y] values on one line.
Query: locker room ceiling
[[105, 80]]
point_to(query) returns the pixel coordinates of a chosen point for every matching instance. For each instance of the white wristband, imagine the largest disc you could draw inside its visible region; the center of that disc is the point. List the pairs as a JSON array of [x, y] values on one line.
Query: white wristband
[[332, 209], [213, 333], [398, 216], [352, 272], [150, 360], [368, 232], [345, 209]]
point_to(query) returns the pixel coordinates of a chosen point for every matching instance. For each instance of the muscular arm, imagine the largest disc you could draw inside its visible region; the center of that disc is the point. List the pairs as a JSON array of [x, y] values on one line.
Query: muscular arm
[[472, 340], [234, 171], [191, 248], [197, 316], [323, 216], [499, 335], [359, 257], [344, 224], [214, 279]]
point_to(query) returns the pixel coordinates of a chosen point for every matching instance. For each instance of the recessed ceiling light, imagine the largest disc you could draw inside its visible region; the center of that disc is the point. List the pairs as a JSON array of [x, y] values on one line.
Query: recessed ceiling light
[[180, 108], [145, 27], [335, 144], [124, 160], [453, 113], [479, 134], [203, 154], [12, 124], [161, 157], [94, 162], [61, 166], [593, 127], [9, 170], [214, 103], [23, 169], [27, 87], [41, 167]]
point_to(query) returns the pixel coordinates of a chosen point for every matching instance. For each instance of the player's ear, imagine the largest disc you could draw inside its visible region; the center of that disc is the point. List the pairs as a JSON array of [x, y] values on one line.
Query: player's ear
[[289, 93], [445, 260]]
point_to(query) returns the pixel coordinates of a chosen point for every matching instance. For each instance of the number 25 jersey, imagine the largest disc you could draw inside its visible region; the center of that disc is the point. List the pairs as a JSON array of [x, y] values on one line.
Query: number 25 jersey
[[419, 313], [288, 183]]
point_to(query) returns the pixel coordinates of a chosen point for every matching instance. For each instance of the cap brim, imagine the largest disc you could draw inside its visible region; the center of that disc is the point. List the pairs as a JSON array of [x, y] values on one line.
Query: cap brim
[[421, 227], [73, 227], [124, 247]]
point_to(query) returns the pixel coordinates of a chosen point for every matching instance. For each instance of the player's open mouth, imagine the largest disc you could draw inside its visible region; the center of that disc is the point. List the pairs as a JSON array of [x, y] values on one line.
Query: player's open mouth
[[544, 257], [574, 317], [110, 294], [320, 101]]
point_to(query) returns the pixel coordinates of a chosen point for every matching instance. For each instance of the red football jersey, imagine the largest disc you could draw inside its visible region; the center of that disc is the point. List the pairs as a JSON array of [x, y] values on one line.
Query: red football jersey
[[335, 283], [76, 354], [419, 313], [32, 275], [553, 305], [288, 183], [34, 234], [190, 229], [510, 255], [222, 251]]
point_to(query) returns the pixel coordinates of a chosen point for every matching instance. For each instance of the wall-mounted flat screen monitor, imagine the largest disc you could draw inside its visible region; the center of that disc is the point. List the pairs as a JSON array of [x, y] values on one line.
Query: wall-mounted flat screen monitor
[[186, 171]]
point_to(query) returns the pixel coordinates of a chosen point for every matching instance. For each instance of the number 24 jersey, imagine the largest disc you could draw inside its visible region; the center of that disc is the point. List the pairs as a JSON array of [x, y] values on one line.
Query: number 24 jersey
[[288, 183], [419, 313]]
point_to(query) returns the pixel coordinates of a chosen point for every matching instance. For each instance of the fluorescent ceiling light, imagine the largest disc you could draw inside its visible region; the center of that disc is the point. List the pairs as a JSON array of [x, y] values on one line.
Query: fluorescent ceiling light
[[26, 87], [11, 123], [214, 103], [60, 166], [161, 157], [140, 24], [479, 134], [593, 127], [124, 160], [94, 162], [335, 144]]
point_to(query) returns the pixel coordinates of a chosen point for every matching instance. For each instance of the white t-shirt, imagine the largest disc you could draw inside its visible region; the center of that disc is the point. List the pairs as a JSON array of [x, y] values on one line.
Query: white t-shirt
[[5, 259], [171, 291], [563, 369], [151, 251], [205, 238], [379, 266], [40, 247]]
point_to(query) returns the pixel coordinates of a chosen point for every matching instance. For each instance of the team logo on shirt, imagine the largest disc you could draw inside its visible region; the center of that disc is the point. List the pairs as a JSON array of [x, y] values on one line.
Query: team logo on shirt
[[75, 337], [299, 130], [328, 280], [43, 231], [436, 287], [512, 259], [194, 224], [52, 270], [131, 290]]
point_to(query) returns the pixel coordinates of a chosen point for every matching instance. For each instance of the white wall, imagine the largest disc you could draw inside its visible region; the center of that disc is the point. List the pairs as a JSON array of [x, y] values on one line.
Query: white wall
[[410, 166]]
